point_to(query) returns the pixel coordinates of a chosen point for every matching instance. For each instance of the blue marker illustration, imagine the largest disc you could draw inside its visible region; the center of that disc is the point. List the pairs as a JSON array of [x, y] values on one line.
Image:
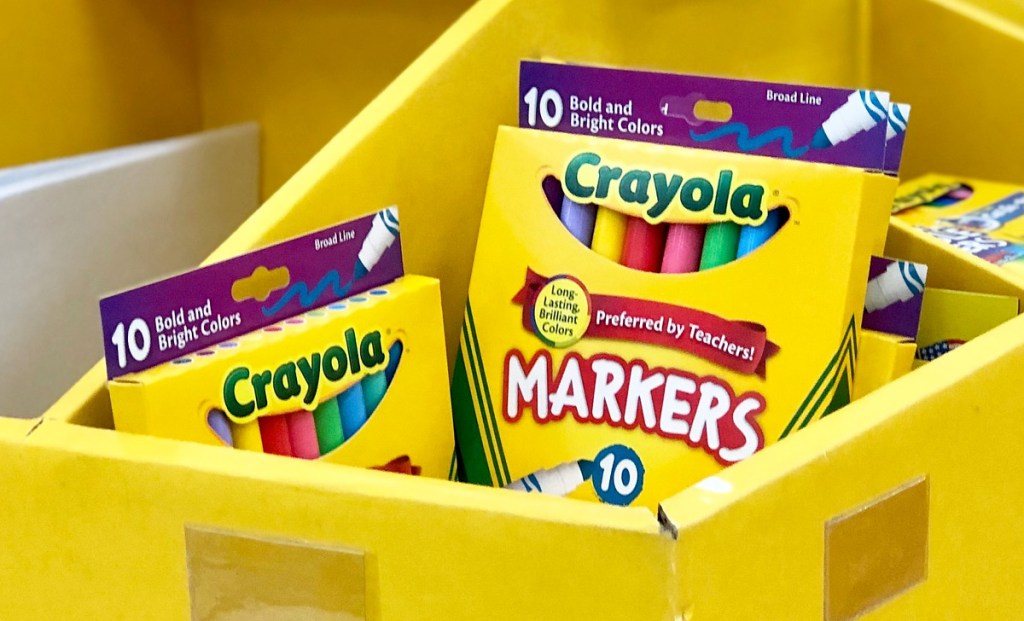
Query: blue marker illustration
[[374, 387], [748, 143], [383, 232], [352, 407], [899, 116], [753, 237], [558, 481], [900, 281], [394, 355], [862, 111]]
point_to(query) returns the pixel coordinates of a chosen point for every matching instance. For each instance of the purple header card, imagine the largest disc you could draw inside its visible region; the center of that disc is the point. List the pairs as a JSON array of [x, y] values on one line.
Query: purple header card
[[894, 296], [164, 320], [895, 135], [809, 123]]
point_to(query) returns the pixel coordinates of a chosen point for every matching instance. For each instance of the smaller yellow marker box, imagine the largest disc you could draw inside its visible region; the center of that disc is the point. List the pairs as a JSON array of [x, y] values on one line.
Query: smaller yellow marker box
[[362, 382]]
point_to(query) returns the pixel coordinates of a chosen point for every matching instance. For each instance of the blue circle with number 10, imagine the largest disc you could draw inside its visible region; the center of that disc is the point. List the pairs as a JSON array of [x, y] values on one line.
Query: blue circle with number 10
[[618, 475]]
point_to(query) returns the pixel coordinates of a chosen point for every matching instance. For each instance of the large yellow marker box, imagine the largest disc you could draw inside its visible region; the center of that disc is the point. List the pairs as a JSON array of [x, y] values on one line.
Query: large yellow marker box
[[654, 381]]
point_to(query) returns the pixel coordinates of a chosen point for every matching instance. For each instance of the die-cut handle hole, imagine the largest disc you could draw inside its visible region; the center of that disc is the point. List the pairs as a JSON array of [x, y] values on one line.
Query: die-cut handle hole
[[717, 111], [260, 284]]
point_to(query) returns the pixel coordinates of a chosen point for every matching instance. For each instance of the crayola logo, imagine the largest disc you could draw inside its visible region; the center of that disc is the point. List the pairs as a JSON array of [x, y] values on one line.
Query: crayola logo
[[588, 180], [247, 393]]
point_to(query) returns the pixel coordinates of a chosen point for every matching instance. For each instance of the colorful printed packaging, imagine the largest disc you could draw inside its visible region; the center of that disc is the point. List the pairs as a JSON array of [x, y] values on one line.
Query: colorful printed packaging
[[581, 376], [316, 372], [981, 218], [860, 128]]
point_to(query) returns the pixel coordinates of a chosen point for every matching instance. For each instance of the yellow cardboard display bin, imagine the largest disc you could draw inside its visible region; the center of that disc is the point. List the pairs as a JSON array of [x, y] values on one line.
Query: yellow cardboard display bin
[[901, 505]]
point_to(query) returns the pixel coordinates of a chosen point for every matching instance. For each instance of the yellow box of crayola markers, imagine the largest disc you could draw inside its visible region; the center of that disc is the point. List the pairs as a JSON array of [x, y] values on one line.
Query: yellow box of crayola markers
[[360, 382], [981, 220], [645, 383]]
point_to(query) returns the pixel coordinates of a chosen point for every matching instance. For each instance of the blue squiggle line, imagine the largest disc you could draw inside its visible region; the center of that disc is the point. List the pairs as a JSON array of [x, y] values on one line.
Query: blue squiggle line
[[306, 297], [747, 143]]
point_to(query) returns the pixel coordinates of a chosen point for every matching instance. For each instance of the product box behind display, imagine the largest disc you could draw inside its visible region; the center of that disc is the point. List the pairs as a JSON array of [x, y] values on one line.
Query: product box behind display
[[780, 521]]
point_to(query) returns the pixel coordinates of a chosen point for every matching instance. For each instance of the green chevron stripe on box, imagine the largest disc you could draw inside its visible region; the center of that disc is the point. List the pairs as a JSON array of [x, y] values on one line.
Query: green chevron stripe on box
[[481, 454], [453, 469], [841, 398], [468, 438], [832, 389], [486, 397], [483, 421], [837, 379]]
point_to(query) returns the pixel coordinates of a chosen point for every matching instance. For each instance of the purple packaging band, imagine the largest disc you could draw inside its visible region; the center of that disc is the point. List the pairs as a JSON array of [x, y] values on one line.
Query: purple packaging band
[[899, 119], [900, 318], [894, 154], [763, 118], [183, 314]]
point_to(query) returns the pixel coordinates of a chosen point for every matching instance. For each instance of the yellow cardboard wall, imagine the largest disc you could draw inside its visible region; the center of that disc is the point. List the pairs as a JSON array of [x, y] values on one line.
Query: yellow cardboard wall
[[80, 76], [954, 422], [958, 117], [303, 68], [100, 522]]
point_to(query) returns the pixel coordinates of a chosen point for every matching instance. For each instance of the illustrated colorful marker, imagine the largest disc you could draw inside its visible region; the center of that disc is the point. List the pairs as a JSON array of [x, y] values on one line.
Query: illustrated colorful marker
[[609, 233], [720, 242], [383, 232], [394, 356], [374, 387], [558, 481], [579, 219], [221, 426], [753, 237], [900, 281], [553, 192], [899, 116], [643, 245], [247, 437], [683, 246], [327, 418], [302, 435], [274, 431], [861, 111], [352, 405]]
